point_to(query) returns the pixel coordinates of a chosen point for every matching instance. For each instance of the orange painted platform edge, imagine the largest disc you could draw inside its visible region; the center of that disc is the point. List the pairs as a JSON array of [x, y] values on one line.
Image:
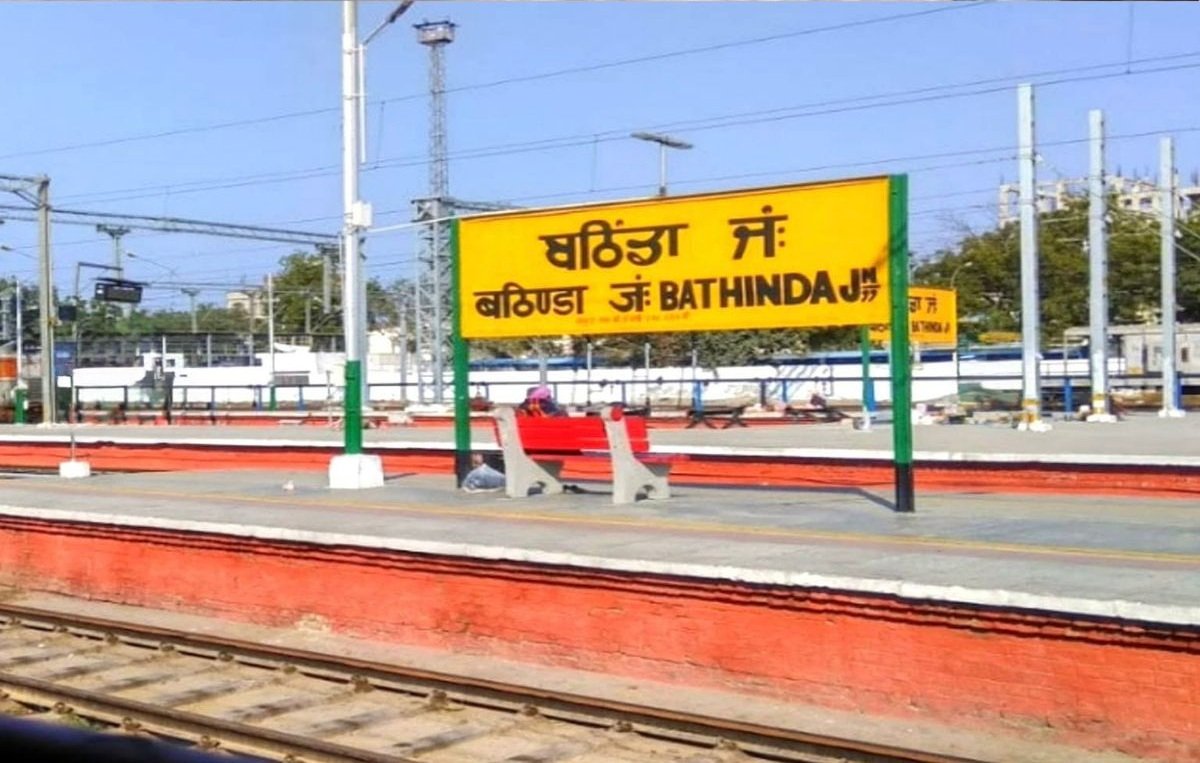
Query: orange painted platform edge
[[1095, 682]]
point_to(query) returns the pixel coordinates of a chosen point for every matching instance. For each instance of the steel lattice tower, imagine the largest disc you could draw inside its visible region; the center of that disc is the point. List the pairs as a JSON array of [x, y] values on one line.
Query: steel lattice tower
[[433, 269]]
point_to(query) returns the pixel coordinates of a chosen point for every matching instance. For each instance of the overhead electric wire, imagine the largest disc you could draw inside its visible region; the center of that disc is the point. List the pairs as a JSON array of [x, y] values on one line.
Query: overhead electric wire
[[737, 119], [500, 82], [715, 47]]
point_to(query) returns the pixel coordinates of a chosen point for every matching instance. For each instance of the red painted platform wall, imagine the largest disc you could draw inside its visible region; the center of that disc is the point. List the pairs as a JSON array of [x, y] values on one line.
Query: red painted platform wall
[[1092, 683]]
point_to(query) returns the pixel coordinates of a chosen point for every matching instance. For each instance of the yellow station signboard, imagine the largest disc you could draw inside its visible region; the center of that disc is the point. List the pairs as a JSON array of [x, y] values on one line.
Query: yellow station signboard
[[781, 257], [932, 317]]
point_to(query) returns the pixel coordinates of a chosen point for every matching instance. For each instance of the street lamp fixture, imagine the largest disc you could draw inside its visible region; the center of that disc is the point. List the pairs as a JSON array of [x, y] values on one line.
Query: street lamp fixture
[[391, 19], [664, 142], [959, 269], [155, 263]]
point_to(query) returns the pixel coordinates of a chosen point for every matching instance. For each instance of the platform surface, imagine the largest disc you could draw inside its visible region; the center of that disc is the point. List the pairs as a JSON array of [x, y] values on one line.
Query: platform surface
[[1143, 439], [1132, 558]]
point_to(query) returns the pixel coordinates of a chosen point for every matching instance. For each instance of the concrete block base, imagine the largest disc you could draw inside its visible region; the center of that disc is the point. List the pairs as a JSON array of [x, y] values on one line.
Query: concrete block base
[[1171, 413], [1038, 425], [357, 472], [74, 470], [1102, 418]]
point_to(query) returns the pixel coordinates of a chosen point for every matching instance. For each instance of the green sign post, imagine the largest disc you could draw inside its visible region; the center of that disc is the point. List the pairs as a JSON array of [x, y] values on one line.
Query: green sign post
[[902, 441], [462, 367]]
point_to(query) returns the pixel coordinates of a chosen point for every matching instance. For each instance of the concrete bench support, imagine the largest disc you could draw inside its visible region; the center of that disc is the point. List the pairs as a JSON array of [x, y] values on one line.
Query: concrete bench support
[[632, 476], [522, 473]]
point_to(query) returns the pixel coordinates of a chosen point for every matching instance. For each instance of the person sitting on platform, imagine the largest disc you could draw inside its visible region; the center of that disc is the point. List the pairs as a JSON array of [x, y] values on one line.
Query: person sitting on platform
[[539, 401]]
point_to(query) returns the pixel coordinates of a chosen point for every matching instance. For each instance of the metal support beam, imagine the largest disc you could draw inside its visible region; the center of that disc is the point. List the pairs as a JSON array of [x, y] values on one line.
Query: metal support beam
[[172, 225], [117, 232], [191, 295]]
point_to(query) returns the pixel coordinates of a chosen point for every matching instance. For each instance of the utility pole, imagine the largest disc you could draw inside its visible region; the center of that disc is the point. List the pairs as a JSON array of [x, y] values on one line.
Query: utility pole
[[191, 295], [253, 295], [46, 304], [20, 321], [402, 311], [1097, 271], [273, 404], [117, 232], [5, 328], [1031, 404], [1166, 185], [19, 391]]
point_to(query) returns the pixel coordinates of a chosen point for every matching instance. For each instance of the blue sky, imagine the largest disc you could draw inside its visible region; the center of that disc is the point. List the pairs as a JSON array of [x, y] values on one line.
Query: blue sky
[[85, 73]]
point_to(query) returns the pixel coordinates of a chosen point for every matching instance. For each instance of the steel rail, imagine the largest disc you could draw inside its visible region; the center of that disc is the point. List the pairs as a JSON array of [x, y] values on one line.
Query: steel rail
[[192, 726], [470, 690]]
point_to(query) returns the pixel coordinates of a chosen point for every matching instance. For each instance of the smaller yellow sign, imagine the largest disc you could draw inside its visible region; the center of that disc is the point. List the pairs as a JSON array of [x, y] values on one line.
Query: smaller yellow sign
[[932, 317]]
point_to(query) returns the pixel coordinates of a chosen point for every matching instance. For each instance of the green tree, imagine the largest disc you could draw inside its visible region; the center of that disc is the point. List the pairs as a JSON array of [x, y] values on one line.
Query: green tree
[[299, 290], [298, 293], [985, 269]]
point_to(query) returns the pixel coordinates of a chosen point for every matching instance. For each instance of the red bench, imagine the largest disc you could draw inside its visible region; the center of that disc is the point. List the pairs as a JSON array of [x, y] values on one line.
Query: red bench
[[535, 447]]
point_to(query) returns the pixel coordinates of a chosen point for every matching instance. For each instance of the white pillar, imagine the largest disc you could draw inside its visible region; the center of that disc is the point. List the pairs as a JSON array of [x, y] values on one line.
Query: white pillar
[[1031, 403], [1166, 185], [1097, 271]]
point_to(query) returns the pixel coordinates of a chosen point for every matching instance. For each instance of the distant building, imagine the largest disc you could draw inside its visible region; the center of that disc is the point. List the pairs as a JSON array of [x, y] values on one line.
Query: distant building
[[1134, 194], [1141, 346], [251, 302]]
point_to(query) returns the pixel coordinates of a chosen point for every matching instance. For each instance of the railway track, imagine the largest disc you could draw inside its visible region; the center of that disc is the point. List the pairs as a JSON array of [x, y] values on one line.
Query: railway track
[[293, 705]]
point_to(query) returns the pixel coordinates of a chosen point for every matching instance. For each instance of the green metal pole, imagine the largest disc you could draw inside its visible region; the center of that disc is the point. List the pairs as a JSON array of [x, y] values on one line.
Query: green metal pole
[[353, 409], [902, 436], [19, 404], [462, 367]]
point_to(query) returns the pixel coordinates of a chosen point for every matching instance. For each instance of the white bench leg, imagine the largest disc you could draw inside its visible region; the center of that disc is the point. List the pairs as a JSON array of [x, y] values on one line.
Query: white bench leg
[[630, 476], [522, 474]]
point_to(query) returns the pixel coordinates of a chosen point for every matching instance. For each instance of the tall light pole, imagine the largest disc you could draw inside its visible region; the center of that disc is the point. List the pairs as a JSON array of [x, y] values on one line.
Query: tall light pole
[[664, 142], [353, 469]]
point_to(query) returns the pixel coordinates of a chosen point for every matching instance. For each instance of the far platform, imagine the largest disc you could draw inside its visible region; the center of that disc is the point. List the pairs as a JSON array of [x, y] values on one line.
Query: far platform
[[1136, 560], [1143, 438]]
